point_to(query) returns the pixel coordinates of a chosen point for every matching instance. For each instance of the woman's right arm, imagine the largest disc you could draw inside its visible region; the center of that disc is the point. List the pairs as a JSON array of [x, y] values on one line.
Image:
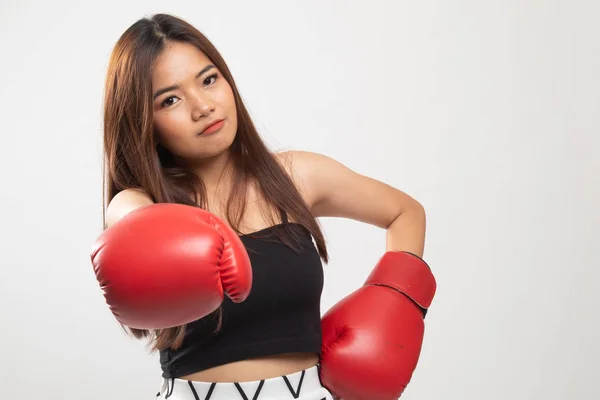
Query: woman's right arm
[[162, 265]]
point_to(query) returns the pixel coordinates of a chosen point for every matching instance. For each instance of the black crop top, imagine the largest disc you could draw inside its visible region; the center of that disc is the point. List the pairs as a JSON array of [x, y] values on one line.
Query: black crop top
[[280, 315]]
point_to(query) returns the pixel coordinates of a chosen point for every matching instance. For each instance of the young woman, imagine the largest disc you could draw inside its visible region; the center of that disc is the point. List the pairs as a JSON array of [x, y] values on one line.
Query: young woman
[[212, 251]]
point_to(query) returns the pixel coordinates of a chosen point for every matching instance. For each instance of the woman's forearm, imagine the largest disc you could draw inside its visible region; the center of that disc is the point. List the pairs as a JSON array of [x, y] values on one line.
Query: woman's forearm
[[407, 231]]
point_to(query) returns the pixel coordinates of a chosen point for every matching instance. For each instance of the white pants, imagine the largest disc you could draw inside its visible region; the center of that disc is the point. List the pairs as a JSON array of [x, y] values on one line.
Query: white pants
[[302, 385]]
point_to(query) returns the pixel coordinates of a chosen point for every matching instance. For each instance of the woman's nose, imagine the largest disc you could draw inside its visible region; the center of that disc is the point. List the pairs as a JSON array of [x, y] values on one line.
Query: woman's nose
[[202, 106]]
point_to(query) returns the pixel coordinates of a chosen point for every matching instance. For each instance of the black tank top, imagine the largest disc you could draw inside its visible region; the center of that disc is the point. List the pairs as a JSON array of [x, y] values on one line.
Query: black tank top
[[281, 314]]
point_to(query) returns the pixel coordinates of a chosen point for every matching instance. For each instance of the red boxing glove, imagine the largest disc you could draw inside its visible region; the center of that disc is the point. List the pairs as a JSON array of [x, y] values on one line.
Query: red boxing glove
[[165, 265], [372, 338]]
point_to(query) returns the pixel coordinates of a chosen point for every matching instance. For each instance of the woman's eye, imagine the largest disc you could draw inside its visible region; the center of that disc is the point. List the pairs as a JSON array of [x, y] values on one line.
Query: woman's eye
[[165, 103], [212, 76]]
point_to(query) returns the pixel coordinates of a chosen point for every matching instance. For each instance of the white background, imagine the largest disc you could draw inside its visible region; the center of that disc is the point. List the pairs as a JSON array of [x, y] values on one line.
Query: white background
[[487, 112]]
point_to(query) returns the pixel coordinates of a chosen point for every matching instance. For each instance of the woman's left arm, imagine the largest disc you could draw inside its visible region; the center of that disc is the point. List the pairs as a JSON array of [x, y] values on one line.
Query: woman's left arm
[[381, 321], [333, 190]]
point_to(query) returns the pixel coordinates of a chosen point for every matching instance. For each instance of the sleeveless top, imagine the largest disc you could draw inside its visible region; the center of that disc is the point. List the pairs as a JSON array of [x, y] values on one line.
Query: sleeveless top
[[280, 315]]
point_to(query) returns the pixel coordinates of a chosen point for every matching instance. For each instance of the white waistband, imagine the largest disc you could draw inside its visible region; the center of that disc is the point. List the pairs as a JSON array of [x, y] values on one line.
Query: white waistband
[[292, 386]]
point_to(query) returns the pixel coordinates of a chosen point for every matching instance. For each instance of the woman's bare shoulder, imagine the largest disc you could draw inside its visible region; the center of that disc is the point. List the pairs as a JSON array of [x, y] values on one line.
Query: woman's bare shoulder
[[125, 202], [297, 164]]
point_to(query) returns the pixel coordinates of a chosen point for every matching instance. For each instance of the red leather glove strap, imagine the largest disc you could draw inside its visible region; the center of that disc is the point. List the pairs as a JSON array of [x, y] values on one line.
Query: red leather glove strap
[[406, 273]]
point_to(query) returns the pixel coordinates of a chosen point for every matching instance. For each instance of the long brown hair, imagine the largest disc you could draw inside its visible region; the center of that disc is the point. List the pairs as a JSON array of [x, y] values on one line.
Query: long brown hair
[[134, 159]]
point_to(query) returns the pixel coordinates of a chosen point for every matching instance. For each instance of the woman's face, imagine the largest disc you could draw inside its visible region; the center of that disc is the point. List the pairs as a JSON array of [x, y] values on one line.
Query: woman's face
[[189, 93]]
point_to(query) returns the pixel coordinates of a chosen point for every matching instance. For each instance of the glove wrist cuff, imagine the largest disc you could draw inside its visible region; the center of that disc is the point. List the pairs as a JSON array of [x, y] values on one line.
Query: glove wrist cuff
[[407, 273]]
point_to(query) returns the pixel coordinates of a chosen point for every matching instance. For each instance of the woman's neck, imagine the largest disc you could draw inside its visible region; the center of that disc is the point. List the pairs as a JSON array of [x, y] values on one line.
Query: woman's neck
[[216, 174]]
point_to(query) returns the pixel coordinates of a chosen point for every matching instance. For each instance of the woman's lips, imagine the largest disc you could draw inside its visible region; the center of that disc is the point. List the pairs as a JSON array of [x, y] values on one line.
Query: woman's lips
[[214, 127]]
